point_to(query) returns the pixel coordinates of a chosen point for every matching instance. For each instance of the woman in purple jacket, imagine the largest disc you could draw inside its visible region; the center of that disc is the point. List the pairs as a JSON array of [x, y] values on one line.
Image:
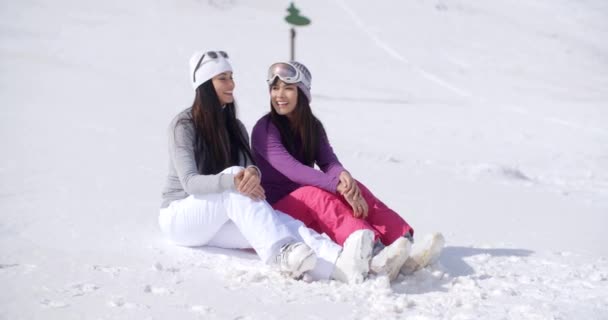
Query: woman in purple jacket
[[286, 145]]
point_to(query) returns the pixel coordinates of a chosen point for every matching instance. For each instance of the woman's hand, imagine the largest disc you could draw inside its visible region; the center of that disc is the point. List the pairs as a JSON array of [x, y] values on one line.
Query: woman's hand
[[257, 193], [350, 189], [360, 208], [247, 182], [358, 203]]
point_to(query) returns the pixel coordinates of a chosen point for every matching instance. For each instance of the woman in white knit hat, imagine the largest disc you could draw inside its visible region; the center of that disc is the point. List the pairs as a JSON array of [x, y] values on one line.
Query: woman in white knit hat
[[213, 194]]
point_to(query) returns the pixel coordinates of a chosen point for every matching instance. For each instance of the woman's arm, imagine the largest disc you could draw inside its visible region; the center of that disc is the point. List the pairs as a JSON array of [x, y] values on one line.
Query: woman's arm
[[181, 151], [248, 181], [248, 161], [326, 158], [266, 140], [347, 186]]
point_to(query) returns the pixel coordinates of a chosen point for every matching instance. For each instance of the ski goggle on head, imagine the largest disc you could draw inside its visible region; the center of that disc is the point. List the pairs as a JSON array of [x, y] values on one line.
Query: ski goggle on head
[[210, 55], [287, 73]]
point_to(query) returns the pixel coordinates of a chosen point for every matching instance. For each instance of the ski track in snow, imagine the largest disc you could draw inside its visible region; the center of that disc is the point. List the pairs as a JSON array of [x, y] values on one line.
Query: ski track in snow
[[390, 51], [399, 57]]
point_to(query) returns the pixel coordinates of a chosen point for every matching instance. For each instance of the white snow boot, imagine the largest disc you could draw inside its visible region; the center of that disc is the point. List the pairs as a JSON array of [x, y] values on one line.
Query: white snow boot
[[424, 254], [390, 259], [352, 266], [296, 258]]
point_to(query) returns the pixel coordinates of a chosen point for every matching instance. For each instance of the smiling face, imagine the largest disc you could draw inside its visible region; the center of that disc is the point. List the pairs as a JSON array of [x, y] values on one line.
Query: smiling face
[[224, 85], [284, 97]]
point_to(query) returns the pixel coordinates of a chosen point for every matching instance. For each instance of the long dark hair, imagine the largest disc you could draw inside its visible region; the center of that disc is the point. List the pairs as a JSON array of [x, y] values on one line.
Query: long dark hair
[[218, 140], [305, 129]]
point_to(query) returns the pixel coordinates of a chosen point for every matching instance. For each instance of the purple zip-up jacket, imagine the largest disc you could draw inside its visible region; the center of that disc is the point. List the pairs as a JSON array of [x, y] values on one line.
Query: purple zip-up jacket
[[281, 172]]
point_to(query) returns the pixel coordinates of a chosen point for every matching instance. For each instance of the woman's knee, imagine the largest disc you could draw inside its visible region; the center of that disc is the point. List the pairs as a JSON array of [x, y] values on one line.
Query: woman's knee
[[311, 191], [192, 221]]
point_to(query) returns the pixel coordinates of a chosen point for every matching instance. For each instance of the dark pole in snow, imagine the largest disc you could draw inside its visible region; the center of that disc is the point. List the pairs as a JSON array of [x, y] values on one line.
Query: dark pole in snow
[[293, 44]]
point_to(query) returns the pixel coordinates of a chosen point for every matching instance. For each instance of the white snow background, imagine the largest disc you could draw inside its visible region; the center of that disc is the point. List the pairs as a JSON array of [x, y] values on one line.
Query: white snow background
[[486, 120]]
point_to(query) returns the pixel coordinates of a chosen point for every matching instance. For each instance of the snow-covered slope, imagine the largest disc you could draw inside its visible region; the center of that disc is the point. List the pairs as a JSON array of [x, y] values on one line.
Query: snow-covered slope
[[487, 121]]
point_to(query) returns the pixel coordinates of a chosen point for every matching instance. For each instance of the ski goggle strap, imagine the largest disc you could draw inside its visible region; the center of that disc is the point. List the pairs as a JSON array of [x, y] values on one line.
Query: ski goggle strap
[[286, 72], [211, 55]]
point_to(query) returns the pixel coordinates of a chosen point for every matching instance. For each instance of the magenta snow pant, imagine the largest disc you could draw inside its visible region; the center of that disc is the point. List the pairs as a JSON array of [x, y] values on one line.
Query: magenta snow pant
[[329, 213]]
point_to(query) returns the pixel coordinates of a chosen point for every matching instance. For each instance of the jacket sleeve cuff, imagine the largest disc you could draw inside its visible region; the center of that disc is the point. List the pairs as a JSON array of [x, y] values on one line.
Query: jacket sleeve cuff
[[334, 184], [227, 181], [336, 171]]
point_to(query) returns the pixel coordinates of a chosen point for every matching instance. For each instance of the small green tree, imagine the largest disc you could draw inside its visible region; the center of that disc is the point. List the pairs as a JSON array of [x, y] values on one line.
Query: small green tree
[[295, 18]]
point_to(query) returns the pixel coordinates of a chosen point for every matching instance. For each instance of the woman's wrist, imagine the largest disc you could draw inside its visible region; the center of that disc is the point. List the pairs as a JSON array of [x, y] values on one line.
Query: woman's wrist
[[340, 187], [256, 170]]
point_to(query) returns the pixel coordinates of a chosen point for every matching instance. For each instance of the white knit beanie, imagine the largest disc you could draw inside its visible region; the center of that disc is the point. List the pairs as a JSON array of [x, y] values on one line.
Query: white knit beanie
[[208, 68]]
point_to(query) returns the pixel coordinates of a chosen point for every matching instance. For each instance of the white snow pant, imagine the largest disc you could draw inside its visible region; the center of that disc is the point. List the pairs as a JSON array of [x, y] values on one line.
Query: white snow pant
[[233, 221]]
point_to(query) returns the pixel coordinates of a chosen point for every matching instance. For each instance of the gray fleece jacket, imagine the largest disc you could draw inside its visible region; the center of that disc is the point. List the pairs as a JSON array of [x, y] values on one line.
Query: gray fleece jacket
[[183, 178]]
